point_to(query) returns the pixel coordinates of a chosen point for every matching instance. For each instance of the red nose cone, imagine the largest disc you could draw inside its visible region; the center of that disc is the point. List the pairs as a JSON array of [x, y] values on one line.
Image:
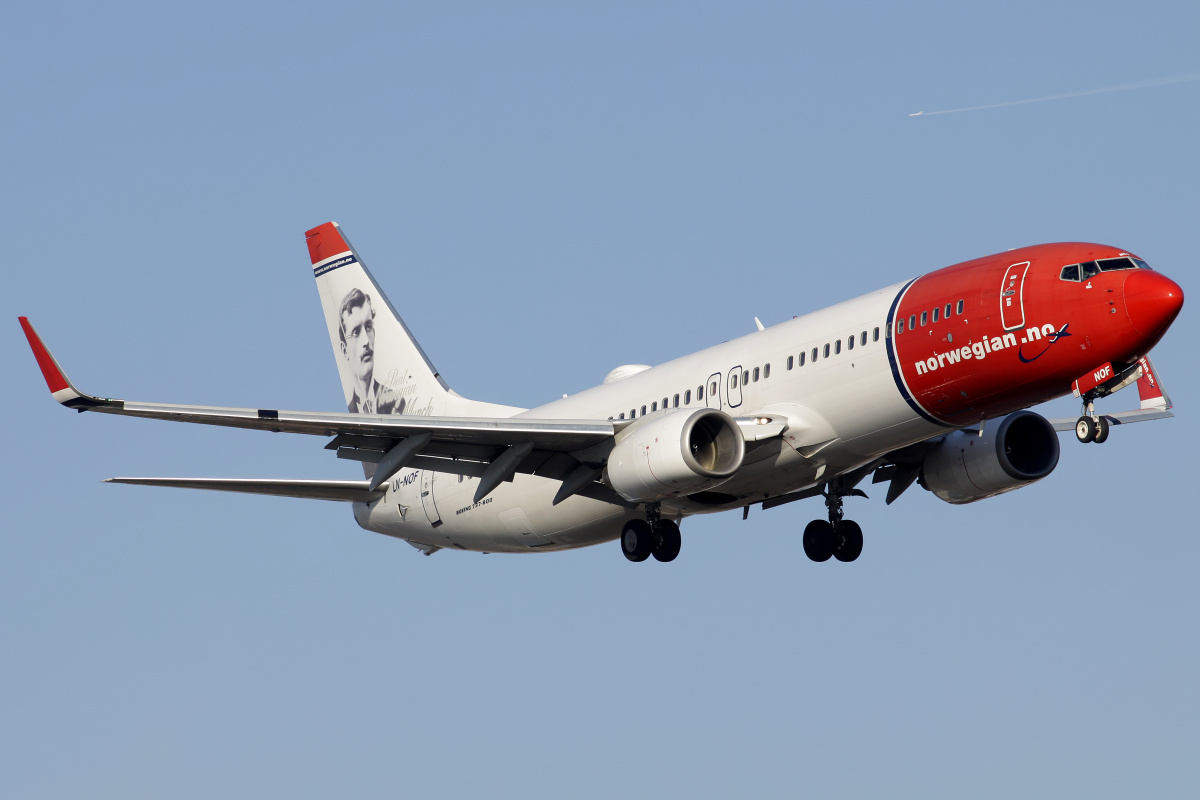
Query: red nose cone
[[1152, 301]]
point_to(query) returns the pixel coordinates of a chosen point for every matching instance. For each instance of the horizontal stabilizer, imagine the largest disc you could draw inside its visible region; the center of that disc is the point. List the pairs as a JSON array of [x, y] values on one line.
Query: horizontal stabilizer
[[343, 491]]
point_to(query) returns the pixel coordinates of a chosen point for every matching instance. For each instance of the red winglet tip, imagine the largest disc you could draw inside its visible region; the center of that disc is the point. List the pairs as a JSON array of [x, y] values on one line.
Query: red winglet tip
[[55, 379], [325, 241]]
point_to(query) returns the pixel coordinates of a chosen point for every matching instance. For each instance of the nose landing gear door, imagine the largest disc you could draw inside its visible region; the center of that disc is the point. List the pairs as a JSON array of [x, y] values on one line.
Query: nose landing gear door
[[1012, 297]]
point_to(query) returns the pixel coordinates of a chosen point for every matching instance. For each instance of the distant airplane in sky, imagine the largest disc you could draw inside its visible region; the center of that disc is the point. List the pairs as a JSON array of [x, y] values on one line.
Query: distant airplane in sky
[[926, 381]]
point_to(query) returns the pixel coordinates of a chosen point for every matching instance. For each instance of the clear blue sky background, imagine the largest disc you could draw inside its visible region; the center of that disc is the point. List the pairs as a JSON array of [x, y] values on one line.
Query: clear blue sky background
[[547, 191]]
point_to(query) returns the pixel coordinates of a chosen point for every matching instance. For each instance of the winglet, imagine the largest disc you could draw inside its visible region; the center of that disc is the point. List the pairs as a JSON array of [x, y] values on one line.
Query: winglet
[[60, 386], [1150, 388]]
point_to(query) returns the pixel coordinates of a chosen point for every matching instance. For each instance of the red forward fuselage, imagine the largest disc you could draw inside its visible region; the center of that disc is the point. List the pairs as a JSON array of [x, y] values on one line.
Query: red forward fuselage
[[989, 336]]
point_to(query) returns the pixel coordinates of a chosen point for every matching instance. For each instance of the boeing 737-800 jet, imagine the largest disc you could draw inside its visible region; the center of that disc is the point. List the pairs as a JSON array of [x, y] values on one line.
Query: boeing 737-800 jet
[[925, 381]]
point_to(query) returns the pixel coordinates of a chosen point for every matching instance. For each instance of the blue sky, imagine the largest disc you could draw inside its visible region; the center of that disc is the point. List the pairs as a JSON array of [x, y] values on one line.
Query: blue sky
[[546, 191]]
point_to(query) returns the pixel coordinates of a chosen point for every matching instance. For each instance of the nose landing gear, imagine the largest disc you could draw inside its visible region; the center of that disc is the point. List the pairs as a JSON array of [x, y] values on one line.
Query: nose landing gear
[[653, 536], [836, 538], [1091, 427]]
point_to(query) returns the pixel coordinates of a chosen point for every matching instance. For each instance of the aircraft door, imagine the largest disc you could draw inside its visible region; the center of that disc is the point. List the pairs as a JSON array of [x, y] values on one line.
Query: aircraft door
[[712, 391], [427, 502], [1012, 297], [733, 387]]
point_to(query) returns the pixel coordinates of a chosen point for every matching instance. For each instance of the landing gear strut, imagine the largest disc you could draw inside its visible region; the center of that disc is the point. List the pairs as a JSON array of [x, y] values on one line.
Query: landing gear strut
[[838, 538], [654, 535], [1091, 427]]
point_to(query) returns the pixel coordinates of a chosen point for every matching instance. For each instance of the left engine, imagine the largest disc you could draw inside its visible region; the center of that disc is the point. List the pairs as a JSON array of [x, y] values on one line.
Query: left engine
[[675, 454], [1015, 451]]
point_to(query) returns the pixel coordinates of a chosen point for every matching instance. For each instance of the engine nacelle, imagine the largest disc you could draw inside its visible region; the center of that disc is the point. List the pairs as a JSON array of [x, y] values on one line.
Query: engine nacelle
[[1015, 451], [676, 454]]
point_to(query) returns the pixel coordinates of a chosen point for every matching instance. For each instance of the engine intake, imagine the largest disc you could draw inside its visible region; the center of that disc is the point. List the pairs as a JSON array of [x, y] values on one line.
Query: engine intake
[[1015, 451], [675, 454]]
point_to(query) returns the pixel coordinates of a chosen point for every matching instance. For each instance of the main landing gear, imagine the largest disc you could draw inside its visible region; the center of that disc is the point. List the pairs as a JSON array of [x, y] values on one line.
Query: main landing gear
[[652, 536], [1091, 427], [838, 538]]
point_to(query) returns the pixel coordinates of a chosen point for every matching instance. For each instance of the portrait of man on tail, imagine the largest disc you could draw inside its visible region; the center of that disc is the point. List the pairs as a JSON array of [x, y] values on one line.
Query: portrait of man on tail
[[357, 335]]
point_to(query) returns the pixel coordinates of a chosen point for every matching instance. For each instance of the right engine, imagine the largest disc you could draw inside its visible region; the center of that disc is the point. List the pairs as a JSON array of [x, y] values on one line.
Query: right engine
[[675, 454], [1015, 451]]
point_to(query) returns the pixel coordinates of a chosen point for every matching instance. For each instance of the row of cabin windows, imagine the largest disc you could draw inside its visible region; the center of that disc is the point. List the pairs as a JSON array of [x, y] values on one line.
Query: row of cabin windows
[[837, 348], [667, 402], [748, 376], [927, 317], [674, 402]]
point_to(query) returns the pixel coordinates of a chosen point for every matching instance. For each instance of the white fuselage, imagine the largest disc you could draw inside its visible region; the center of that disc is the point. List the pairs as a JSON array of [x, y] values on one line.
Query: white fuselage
[[844, 410]]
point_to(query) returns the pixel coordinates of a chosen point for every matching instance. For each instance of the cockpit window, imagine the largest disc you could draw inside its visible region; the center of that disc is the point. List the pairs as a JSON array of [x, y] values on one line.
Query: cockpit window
[[1070, 273], [1089, 269], [1110, 264], [1141, 264]]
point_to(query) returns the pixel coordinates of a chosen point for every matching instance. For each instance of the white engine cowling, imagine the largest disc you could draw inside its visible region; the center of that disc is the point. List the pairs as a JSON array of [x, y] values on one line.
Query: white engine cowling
[[675, 454], [1015, 451]]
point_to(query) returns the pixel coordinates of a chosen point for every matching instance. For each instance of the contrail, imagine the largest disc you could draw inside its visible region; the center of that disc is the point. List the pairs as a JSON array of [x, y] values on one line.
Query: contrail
[[1124, 87]]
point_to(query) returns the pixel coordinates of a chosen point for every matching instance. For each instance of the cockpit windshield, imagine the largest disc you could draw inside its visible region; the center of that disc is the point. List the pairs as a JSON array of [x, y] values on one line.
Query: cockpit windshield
[[1089, 269]]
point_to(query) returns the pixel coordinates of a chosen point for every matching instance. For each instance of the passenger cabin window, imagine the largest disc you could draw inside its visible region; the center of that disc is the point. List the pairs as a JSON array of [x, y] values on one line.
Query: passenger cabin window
[[676, 401], [666, 405], [745, 377], [733, 381], [958, 309], [825, 352], [948, 307], [863, 340], [699, 392], [622, 415], [766, 372], [756, 374], [1070, 273], [935, 314], [643, 411], [850, 343], [814, 354], [912, 322], [633, 413], [900, 326], [687, 397], [791, 362], [837, 347], [712, 389], [875, 337], [924, 318], [802, 359], [654, 406]]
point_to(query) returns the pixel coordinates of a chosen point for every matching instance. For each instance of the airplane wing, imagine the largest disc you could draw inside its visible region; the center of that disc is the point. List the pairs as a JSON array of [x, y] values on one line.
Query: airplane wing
[[462, 445], [343, 491], [491, 449]]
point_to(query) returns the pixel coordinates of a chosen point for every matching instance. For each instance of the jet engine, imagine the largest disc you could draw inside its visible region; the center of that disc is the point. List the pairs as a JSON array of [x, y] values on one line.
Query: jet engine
[[675, 454], [1015, 451]]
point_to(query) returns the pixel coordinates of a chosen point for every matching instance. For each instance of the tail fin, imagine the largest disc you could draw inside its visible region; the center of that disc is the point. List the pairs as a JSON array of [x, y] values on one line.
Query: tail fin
[[383, 369]]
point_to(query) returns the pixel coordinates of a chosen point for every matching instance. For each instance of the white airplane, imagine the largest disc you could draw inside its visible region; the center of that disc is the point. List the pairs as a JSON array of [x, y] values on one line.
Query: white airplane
[[924, 381]]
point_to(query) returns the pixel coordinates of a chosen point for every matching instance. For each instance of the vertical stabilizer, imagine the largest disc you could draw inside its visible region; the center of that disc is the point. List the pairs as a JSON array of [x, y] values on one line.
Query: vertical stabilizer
[[383, 369]]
